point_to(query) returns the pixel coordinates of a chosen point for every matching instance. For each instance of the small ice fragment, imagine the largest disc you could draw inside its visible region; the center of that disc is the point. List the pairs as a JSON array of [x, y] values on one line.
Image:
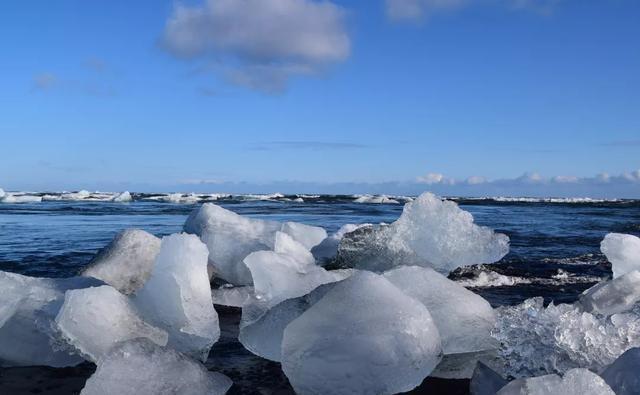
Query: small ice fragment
[[622, 375], [231, 296], [613, 296], [464, 319], [94, 319], [140, 367], [123, 197], [126, 263], [363, 336], [307, 235], [574, 382], [623, 251], [177, 296], [430, 232], [485, 381]]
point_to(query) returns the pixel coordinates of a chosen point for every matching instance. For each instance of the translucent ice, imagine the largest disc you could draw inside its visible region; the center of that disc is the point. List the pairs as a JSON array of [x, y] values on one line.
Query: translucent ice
[[28, 308], [485, 381], [94, 319], [328, 248], [574, 382], [123, 197], [622, 375], [263, 322], [126, 263], [430, 232], [363, 336], [613, 296], [535, 339], [231, 296], [140, 367], [464, 319], [1, 193], [177, 296], [623, 251], [231, 238]]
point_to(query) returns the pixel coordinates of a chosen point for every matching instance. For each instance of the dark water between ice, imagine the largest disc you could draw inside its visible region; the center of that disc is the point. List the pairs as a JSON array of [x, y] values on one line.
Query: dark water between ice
[[554, 253]]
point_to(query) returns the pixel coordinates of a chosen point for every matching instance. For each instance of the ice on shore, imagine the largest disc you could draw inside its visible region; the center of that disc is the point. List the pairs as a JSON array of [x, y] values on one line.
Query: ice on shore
[[126, 263], [376, 199], [263, 320], [19, 198], [28, 308], [535, 339], [94, 319], [613, 296], [485, 381], [464, 319], [622, 375], [231, 296], [123, 197], [328, 248], [363, 336], [140, 367], [574, 382], [231, 238], [623, 251], [430, 232], [177, 296]]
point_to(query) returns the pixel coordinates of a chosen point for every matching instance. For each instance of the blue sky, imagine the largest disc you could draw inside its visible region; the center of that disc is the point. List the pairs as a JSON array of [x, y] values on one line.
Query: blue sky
[[519, 97]]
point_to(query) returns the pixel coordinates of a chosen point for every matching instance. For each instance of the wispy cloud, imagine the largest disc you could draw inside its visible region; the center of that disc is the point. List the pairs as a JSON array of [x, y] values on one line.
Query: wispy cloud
[[260, 44], [306, 145]]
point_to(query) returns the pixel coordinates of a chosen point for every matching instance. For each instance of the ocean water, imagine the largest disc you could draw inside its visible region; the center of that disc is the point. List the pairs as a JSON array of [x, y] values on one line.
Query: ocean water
[[554, 250]]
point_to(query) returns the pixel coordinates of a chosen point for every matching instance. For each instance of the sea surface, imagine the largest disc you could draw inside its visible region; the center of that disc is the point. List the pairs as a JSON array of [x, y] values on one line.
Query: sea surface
[[554, 252]]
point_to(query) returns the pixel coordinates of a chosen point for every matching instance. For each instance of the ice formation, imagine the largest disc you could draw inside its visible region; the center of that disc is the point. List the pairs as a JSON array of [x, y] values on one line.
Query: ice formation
[[363, 336], [177, 296], [613, 296], [231, 238], [328, 248], [534, 339], [623, 251], [263, 321], [2, 193], [377, 199], [464, 319], [94, 319], [28, 308], [485, 381], [622, 375], [229, 295], [16, 198], [126, 263], [574, 382], [123, 197], [140, 367], [430, 232]]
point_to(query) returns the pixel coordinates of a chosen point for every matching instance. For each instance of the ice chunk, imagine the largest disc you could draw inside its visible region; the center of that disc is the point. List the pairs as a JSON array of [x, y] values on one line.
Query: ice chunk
[[363, 336], [20, 198], [464, 319], [123, 197], [140, 367], [430, 232], [485, 381], [534, 339], [231, 238], [231, 296], [263, 322], [177, 296], [286, 245], [127, 261], [94, 319], [623, 251], [613, 296], [328, 248], [28, 308], [622, 375], [308, 236], [80, 195], [574, 382], [376, 199], [1, 193]]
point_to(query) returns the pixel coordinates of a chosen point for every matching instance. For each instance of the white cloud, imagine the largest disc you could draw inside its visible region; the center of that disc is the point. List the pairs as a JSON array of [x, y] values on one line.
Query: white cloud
[[476, 180], [435, 178], [565, 179], [262, 42]]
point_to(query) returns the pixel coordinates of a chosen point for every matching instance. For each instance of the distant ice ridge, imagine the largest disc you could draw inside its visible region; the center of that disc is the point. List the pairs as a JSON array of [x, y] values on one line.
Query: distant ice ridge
[[231, 238], [140, 367], [9, 197], [551, 200], [28, 308], [381, 199], [430, 232]]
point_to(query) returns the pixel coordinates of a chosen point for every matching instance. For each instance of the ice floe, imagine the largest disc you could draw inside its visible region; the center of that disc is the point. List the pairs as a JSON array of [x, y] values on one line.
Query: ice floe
[[363, 336], [126, 263], [623, 251], [140, 367], [123, 197], [430, 232], [177, 296]]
